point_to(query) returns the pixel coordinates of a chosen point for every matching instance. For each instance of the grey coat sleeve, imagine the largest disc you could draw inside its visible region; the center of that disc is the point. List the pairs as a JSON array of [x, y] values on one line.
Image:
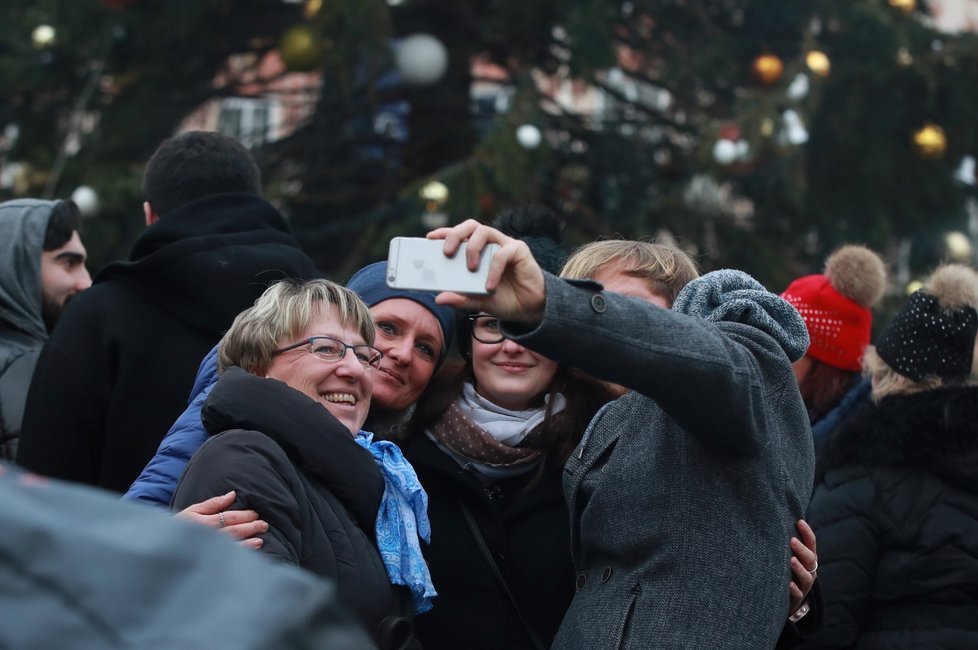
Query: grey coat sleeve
[[698, 371], [115, 575]]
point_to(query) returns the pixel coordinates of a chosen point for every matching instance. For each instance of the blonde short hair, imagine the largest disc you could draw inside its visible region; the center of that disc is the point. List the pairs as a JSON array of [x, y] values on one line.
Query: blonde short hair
[[666, 268], [281, 314], [887, 381]]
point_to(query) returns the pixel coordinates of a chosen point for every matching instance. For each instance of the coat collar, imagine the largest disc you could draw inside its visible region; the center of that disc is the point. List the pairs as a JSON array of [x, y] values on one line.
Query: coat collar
[[308, 434], [936, 431]]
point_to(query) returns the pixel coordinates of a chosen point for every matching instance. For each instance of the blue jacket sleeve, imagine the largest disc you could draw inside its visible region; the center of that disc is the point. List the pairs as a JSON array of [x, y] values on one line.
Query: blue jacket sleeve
[[159, 478]]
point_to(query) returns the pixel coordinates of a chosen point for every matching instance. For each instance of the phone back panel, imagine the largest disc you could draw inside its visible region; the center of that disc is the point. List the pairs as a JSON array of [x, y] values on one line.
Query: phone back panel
[[419, 264]]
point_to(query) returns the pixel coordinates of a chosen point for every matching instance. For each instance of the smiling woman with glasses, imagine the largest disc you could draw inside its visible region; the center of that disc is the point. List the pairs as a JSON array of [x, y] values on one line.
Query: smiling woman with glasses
[[329, 349], [286, 436]]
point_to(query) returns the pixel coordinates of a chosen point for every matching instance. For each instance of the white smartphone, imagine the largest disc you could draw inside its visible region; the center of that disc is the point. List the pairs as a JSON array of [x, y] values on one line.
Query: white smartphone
[[419, 264]]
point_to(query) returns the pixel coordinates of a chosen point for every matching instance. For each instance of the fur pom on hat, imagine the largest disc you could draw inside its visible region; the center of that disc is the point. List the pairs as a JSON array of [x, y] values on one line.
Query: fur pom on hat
[[836, 305], [934, 333], [857, 273], [540, 228]]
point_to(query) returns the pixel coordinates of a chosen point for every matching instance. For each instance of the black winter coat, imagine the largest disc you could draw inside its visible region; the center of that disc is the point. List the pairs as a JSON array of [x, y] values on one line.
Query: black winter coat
[[117, 370], [289, 460], [896, 515], [526, 527]]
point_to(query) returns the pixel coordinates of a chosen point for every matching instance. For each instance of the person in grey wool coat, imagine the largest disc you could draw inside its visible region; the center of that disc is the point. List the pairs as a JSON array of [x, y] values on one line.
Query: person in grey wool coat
[[683, 490]]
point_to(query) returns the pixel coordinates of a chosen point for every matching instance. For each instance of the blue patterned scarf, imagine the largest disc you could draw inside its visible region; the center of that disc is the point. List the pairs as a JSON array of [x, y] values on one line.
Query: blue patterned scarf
[[401, 520]]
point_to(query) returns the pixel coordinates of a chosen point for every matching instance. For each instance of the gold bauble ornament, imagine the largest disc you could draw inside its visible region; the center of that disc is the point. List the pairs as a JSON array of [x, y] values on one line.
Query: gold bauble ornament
[[905, 6], [301, 48], [818, 62], [930, 141], [767, 68]]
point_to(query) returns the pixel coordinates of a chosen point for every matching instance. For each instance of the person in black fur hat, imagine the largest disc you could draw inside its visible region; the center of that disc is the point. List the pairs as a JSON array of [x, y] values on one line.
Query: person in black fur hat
[[540, 228], [896, 507]]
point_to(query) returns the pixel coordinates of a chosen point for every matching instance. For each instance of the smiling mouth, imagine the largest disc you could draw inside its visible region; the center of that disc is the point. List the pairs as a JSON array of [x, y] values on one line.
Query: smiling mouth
[[339, 398], [391, 376]]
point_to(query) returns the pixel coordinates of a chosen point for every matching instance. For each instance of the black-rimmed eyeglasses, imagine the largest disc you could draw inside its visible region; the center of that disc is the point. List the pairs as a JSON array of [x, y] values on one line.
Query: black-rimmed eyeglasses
[[486, 329], [329, 349]]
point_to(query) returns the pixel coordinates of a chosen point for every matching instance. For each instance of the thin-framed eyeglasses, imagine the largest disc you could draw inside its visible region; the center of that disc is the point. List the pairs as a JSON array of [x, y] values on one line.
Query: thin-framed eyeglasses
[[486, 329], [329, 349]]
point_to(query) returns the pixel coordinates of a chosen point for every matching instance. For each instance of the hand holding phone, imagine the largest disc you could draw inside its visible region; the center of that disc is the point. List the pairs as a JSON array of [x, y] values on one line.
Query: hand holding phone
[[419, 264]]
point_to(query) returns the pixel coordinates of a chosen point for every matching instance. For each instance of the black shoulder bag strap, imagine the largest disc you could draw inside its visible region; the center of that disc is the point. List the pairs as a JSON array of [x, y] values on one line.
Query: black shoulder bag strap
[[487, 554]]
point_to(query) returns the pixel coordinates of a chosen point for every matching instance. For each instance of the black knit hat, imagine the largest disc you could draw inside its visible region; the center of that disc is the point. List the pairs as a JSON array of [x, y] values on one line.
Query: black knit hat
[[925, 339]]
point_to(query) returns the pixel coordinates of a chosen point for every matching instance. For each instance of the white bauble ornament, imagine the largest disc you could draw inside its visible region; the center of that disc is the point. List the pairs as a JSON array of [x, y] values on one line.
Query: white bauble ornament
[[725, 151], [421, 59], [529, 136], [86, 199]]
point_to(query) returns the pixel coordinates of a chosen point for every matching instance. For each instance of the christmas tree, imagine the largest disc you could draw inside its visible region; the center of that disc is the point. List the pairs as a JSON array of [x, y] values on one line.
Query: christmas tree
[[758, 134]]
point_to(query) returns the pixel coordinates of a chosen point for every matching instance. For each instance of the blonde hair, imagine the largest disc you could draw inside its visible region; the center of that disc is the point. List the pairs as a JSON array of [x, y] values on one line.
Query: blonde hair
[[666, 268], [281, 314], [887, 381]]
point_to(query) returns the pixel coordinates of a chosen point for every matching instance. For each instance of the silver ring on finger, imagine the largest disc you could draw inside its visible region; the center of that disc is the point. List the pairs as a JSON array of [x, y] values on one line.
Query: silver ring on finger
[[221, 523], [814, 569]]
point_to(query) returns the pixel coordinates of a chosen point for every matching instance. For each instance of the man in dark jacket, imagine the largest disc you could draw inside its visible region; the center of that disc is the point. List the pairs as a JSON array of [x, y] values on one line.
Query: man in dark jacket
[[42, 265], [117, 370]]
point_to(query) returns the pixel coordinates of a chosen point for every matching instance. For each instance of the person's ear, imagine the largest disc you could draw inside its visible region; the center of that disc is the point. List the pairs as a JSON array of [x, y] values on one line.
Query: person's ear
[[151, 216]]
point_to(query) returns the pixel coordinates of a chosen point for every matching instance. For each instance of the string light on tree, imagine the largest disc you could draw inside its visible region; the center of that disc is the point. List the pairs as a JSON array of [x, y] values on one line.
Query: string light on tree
[[767, 68], [818, 62], [301, 48], [930, 142], [43, 36], [421, 59], [958, 246], [529, 136], [311, 8], [435, 195], [907, 7]]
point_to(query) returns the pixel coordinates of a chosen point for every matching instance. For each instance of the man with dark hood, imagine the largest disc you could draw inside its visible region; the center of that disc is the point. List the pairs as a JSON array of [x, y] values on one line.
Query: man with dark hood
[[42, 265], [117, 371]]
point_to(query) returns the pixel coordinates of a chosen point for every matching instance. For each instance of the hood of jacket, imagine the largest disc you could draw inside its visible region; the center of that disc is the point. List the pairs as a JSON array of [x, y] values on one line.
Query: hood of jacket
[[935, 430], [23, 223], [204, 260], [734, 296], [309, 435]]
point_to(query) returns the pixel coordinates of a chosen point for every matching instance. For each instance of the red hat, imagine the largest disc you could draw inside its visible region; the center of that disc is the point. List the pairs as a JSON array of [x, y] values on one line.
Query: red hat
[[838, 328], [835, 305]]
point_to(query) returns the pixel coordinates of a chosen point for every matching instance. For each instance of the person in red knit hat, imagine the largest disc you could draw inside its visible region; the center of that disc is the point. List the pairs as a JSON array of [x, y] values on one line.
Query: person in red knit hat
[[836, 306]]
